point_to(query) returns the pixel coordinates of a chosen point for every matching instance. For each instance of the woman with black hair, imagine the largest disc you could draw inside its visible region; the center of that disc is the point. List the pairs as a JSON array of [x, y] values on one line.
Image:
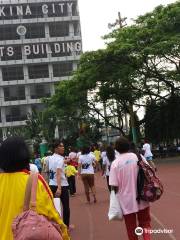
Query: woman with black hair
[[123, 179], [108, 157], [86, 165], [14, 175]]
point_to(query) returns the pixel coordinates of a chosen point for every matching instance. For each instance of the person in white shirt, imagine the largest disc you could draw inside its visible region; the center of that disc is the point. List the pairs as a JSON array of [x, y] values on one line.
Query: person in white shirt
[[108, 158], [86, 164], [57, 179], [33, 168], [148, 154]]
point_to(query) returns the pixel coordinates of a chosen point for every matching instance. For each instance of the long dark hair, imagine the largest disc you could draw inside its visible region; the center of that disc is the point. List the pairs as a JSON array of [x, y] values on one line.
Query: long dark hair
[[14, 155], [110, 153], [85, 150]]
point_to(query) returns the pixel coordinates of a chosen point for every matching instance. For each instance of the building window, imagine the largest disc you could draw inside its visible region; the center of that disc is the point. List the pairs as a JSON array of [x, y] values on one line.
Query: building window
[[12, 73], [36, 30], [74, 9], [62, 69], [77, 29], [14, 93], [16, 113], [38, 71], [8, 32], [38, 108], [59, 29], [40, 91]]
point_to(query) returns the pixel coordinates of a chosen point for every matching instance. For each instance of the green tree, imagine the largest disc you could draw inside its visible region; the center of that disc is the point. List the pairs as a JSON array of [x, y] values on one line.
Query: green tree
[[139, 65], [162, 120], [41, 124]]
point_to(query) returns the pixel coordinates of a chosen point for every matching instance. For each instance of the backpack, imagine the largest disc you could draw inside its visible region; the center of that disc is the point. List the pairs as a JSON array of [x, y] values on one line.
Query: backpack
[[30, 225], [149, 186]]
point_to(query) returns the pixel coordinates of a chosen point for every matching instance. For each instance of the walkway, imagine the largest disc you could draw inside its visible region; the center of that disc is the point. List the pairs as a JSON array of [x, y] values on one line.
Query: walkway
[[92, 223]]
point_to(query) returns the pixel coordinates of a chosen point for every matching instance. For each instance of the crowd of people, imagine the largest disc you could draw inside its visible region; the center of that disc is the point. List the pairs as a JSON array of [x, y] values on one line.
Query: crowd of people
[[57, 179]]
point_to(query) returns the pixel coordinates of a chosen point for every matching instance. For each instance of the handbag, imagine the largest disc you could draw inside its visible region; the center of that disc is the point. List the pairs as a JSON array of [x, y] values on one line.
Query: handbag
[[29, 225], [115, 211]]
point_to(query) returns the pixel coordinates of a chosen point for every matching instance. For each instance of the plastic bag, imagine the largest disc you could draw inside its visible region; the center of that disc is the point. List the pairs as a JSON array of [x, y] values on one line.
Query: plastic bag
[[115, 211], [57, 205]]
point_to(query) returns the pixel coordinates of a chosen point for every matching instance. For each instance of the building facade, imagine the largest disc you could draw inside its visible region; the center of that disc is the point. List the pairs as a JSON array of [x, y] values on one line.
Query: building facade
[[40, 45]]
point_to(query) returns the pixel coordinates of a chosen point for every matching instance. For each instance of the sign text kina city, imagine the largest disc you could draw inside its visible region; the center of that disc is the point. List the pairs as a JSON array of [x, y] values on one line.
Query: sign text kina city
[[28, 10]]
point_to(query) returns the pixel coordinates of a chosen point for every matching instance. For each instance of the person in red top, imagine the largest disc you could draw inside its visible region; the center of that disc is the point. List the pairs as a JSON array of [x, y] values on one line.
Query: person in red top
[[73, 158]]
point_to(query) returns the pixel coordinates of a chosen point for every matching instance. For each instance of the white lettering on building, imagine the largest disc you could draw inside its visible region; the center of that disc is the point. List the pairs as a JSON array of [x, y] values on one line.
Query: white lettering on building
[[11, 10], [28, 10], [10, 51], [70, 7], [62, 7], [43, 48], [78, 47], [57, 48], [36, 49], [24, 10], [63, 47], [19, 10], [2, 12], [48, 49], [70, 47], [1, 51], [45, 8], [27, 50], [53, 8]]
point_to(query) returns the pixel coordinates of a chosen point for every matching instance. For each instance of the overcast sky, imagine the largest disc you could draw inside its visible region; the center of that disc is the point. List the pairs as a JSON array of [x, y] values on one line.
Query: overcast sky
[[96, 14]]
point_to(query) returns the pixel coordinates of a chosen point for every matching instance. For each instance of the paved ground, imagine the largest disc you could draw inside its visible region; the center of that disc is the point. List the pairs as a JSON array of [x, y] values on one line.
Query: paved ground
[[91, 220]]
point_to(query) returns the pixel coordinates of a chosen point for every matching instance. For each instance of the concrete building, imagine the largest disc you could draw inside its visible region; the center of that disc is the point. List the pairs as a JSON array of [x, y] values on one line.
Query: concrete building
[[40, 45]]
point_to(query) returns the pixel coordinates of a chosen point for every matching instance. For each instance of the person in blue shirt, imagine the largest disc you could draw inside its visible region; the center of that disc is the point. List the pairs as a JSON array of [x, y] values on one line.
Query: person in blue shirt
[[37, 162]]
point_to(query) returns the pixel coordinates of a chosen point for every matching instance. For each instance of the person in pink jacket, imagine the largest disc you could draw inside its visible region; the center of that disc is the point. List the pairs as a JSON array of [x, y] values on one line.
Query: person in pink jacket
[[123, 179]]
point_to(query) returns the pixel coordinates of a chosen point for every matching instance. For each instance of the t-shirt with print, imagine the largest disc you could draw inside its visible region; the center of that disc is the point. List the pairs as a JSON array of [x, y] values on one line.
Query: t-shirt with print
[[123, 173], [86, 161], [56, 161]]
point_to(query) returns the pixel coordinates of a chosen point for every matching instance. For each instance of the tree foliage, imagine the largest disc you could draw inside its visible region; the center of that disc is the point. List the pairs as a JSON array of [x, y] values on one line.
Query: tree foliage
[[162, 120], [41, 124], [141, 64]]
